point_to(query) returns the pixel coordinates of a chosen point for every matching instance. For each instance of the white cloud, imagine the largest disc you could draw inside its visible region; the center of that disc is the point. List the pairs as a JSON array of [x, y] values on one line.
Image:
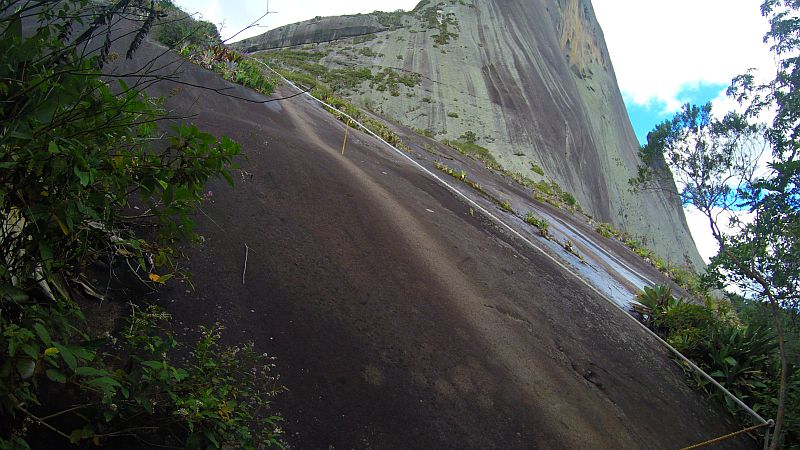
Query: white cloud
[[698, 223], [659, 48], [701, 229]]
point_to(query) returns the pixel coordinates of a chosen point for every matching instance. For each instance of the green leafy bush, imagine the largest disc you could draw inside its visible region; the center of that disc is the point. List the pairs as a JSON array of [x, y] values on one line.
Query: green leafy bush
[[469, 137], [392, 19], [368, 52], [77, 159], [231, 66], [220, 395], [606, 230], [568, 199], [474, 151], [300, 63], [741, 357], [425, 132], [176, 28], [389, 79], [432, 19]]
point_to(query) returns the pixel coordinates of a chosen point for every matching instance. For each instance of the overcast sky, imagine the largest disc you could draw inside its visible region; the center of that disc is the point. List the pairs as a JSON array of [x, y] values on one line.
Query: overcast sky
[[665, 53]]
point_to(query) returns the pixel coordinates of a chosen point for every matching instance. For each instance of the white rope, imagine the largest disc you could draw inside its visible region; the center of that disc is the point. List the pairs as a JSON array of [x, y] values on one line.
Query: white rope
[[530, 243]]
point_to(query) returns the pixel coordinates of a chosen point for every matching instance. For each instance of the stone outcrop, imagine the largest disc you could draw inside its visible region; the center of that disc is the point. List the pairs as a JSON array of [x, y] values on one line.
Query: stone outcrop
[[321, 29], [531, 78]]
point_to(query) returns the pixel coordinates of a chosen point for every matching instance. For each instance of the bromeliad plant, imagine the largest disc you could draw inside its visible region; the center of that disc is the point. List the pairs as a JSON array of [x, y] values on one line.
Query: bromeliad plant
[[541, 224], [743, 358], [84, 171]]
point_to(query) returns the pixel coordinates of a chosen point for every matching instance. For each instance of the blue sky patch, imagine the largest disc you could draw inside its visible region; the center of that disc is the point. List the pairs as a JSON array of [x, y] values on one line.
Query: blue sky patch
[[645, 117]]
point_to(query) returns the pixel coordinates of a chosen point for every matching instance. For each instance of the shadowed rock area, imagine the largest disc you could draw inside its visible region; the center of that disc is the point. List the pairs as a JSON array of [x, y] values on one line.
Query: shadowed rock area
[[531, 78]]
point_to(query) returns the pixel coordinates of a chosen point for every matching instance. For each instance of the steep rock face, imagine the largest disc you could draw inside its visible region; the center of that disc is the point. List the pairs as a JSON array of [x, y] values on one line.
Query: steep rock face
[[531, 78], [322, 29]]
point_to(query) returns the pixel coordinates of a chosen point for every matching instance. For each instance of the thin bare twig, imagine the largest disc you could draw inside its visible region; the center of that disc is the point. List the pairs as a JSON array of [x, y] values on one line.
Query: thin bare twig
[[246, 254]]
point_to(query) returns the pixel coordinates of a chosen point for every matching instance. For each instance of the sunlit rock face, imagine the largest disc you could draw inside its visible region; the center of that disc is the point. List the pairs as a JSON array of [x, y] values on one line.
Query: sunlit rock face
[[531, 78]]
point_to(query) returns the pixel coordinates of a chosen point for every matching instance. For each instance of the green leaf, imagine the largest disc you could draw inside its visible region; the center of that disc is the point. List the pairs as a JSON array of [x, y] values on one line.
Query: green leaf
[[13, 344], [91, 372], [15, 28], [67, 355], [20, 135], [13, 294], [169, 195], [41, 331], [31, 350], [730, 361], [52, 147], [730, 404], [227, 177], [82, 176], [180, 374], [144, 402], [211, 437], [154, 364], [105, 383], [47, 254], [80, 434], [81, 352], [56, 375], [164, 278]]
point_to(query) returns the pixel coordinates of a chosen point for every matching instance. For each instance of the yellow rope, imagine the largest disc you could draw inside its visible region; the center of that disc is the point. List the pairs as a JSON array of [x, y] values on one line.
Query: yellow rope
[[346, 128], [727, 436]]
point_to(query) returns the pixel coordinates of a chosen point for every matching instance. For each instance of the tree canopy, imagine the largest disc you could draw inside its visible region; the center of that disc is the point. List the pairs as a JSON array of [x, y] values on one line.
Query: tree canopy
[[715, 165]]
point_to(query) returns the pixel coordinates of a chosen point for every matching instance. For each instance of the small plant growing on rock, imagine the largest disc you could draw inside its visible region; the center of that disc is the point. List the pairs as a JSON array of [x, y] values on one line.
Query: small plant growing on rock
[[570, 247], [469, 137], [541, 224], [606, 230]]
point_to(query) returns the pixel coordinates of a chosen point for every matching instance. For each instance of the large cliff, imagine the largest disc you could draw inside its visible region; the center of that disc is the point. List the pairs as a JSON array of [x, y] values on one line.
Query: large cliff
[[531, 78]]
